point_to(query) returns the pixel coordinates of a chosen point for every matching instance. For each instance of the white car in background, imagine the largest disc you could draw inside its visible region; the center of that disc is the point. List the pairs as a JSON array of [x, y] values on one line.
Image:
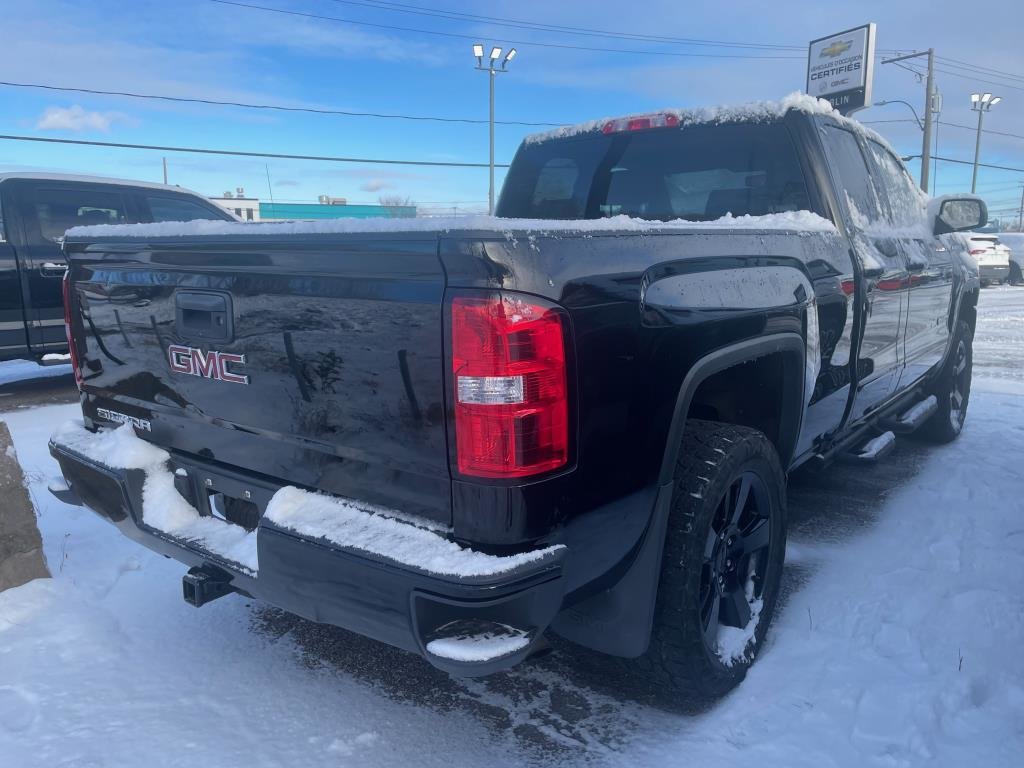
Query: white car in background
[[992, 256], [1015, 242]]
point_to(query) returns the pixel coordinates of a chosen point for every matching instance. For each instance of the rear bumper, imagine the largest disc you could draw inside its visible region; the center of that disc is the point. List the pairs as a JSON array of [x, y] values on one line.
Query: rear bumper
[[374, 596], [993, 271]]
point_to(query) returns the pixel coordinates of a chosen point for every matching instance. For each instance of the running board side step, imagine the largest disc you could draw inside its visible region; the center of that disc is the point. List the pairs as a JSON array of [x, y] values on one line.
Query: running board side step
[[912, 418], [204, 584], [871, 451]]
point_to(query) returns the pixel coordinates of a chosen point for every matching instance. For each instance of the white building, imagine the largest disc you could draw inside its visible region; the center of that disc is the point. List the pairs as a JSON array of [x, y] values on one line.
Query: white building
[[245, 208]]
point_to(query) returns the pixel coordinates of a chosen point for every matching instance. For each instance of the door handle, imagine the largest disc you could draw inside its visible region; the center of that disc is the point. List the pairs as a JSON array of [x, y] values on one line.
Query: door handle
[[53, 268]]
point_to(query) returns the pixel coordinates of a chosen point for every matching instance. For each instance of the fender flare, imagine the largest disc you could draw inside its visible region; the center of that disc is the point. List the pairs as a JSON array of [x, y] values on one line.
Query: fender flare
[[790, 344], [618, 621]]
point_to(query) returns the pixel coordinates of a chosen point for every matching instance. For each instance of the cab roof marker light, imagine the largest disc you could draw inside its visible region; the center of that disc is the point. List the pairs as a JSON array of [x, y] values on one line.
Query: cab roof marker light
[[640, 123]]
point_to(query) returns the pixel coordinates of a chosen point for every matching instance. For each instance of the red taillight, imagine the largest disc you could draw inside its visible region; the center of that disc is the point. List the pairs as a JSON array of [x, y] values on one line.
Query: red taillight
[[66, 290], [640, 123], [511, 400], [979, 251]]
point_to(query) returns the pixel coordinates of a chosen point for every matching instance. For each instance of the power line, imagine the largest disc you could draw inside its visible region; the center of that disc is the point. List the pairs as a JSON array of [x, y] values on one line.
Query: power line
[[277, 107], [949, 125], [242, 153], [565, 29], [968, 65], [987, 80], [534, 43], [961, 162], [979, 77]]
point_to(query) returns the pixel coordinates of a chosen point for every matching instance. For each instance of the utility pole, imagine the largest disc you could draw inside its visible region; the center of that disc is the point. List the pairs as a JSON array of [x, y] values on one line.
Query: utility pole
[[165, 170], [926, 140], [937, 108], [980, 103], [492, 72], [1020, 213], [926, 147]]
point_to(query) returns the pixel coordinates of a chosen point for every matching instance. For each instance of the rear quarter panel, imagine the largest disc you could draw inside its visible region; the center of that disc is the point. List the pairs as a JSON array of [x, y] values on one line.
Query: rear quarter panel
[[631, 358]]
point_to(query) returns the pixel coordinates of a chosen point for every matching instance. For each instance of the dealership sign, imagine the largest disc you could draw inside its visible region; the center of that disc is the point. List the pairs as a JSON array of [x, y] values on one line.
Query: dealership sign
[[840, 68]]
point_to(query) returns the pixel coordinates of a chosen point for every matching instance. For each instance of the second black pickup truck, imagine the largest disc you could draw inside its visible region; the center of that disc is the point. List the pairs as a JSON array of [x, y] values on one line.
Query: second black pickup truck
[[35, 211], [578, 416]]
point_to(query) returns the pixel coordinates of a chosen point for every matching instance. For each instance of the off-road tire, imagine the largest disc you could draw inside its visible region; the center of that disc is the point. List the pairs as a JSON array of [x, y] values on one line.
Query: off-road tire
[[952, 389], [711, 457]]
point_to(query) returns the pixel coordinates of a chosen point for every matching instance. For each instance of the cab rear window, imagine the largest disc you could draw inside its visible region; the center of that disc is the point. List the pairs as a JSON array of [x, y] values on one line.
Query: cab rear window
[[58, 210], [698, 173]]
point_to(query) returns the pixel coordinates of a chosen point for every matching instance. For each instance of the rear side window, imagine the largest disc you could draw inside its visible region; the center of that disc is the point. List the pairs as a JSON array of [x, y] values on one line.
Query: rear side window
[[698, 173], [906, 207], [851, 174], [58, 210], [171, 208]]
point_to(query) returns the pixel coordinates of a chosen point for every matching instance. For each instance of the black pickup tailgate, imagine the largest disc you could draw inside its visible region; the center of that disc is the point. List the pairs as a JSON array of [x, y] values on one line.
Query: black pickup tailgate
[[319, 363]]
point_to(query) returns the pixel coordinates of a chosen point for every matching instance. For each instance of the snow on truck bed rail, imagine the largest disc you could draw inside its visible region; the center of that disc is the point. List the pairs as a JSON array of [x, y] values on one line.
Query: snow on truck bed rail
[[800, 221]]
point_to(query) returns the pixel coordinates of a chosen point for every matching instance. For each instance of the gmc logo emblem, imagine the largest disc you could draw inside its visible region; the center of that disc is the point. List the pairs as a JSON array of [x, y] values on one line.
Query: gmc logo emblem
[[208, 365]]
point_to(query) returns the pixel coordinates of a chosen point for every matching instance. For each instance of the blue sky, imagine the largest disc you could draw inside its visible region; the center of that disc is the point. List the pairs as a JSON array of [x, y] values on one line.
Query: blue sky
[[202, 49]]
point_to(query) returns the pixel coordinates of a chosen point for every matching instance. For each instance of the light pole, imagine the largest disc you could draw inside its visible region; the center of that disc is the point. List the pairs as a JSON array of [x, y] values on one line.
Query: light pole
[[492, 71], [980, 103]]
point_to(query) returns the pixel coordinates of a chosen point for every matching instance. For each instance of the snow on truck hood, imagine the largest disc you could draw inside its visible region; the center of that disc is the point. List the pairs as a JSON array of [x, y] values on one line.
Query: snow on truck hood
[[801, 221]]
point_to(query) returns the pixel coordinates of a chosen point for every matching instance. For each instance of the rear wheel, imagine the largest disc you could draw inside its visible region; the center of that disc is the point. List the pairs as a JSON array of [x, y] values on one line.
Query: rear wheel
[[723, 559], [952, 389]]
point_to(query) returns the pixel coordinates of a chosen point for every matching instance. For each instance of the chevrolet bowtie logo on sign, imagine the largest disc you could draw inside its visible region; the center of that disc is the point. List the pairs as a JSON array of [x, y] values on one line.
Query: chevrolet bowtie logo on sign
[[837, 48], [840, 68], [208, 365]]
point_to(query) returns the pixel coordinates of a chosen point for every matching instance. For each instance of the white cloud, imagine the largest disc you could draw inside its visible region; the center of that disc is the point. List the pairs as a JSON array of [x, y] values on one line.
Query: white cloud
[[376, 185], [76, 118]]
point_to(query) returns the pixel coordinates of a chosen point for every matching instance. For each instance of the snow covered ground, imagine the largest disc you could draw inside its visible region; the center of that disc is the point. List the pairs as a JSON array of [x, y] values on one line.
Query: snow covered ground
[[19, 370], [898, 643]]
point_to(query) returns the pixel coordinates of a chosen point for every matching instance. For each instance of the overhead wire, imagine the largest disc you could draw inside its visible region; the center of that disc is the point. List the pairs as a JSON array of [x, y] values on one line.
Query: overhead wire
[[461, 36]]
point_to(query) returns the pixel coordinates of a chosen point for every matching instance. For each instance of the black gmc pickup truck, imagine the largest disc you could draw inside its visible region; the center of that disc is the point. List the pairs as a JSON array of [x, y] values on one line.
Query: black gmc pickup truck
[[577, 416]]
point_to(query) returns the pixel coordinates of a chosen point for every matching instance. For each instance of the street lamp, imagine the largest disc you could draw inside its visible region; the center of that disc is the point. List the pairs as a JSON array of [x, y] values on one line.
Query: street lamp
[[493, 70], [980, 103], [909, 106]]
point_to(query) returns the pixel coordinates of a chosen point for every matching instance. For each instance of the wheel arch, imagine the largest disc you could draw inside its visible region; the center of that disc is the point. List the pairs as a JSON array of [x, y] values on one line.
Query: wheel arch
[[789, 350]]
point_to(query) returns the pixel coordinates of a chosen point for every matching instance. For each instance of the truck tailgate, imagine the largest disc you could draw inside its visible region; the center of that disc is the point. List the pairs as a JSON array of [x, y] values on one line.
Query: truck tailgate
[[320, 364]]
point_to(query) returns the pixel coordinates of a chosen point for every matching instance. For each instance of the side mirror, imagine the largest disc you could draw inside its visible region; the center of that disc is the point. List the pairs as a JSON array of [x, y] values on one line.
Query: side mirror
[[957, 213]]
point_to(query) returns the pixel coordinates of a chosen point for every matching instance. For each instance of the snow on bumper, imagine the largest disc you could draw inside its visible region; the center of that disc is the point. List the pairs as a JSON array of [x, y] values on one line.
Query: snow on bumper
[[328, 559]]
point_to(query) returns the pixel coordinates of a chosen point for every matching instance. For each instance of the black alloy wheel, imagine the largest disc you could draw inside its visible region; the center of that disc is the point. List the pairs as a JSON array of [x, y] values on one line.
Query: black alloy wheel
[[735, 557]]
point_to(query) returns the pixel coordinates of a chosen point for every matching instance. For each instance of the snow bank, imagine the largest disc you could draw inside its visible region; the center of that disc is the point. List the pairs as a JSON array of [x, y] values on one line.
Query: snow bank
[[163, 508], [755, 111], [12, 371], [801, 221], [377, 532]]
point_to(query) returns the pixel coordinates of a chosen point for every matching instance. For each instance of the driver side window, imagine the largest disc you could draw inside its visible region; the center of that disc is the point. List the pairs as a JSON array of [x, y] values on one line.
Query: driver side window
[[906, 203], [852, 176]]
